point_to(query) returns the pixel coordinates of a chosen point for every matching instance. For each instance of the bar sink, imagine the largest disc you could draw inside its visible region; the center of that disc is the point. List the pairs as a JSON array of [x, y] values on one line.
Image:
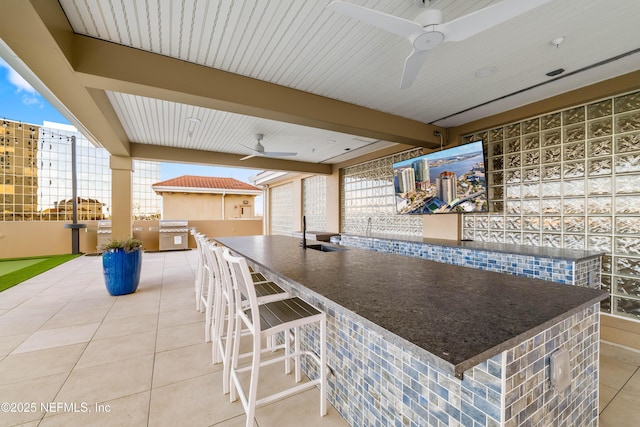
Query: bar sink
[[325, 248]]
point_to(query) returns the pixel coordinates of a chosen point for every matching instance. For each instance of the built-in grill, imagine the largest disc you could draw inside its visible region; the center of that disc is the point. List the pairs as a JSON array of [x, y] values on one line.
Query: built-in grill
[[104, 233], [173, 234]]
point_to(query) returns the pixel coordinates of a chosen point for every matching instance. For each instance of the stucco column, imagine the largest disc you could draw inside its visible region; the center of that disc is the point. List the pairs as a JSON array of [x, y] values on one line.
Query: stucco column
[[121, 199]]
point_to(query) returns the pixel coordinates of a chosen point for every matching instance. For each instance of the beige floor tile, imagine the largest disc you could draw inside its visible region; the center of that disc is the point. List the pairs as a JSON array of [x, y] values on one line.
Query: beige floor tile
[[622, 411], [41, 363], [108, 381], [31, 424], [109, 350], [169, 319], [32, 395], [177, 299], [79, 306], [94, 293], [291, 411], [130, 410], [50, 338], [239, 421], [17, 295], [193, 402], [180, 336], [183, 363], [24, 322], [127, 326], [129, 306], [28, 311], [9, 343], [606, 394], [620, 353], [615, 373], [633, 385], [35, 305], [66, 292], [77, 317], [272, 379]]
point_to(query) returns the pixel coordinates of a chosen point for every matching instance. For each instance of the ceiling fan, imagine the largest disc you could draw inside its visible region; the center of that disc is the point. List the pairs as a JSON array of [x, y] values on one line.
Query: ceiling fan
[[258, 150], [428, 31]]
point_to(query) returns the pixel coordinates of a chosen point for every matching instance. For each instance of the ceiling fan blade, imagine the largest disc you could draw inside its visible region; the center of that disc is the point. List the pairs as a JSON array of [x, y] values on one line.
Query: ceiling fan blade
[[483, 19], [249, 156], [279, 154], [412, 66], [394, 24], [253, 149]]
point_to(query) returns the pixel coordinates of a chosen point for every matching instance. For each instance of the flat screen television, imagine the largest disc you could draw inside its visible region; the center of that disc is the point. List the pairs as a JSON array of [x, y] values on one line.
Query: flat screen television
[[447, 181]]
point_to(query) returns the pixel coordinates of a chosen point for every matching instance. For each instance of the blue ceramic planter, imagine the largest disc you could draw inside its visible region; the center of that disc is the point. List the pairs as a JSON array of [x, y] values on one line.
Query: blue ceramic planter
[[121, 270]]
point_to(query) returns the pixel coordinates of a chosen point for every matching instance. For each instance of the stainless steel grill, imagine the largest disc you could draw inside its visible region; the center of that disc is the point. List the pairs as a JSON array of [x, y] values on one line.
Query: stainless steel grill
[[173, 234], [104, 233]]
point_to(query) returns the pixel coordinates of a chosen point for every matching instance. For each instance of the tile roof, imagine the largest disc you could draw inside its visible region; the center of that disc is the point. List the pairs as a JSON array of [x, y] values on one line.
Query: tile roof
[[212, 182]]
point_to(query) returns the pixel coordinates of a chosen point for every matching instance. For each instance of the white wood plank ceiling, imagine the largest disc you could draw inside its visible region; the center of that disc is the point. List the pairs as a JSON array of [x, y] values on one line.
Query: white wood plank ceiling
[[302, 45]]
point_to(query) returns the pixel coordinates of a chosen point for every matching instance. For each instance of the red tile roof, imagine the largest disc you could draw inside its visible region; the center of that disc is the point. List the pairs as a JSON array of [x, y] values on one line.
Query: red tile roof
[[191, 181]]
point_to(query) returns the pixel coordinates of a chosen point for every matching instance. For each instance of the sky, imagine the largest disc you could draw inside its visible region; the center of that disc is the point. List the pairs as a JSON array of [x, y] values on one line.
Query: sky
[[22, 103]]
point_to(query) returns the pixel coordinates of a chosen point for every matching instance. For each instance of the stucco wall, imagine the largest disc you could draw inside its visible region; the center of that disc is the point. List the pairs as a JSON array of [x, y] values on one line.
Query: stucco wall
[[35, 238], [206, 206]]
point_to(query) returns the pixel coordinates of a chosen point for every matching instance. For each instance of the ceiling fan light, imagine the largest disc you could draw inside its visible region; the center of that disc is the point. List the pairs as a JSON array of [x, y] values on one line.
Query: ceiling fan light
[[556, 42]]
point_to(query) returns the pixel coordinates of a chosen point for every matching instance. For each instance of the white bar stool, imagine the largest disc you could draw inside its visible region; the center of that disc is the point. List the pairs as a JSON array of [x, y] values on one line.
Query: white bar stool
[[198, 281], [224, 312], [265, 320]]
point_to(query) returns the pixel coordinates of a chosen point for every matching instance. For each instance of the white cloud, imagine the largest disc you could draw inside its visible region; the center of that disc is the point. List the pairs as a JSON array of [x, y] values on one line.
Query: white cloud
[[17, 80], [30, 100]]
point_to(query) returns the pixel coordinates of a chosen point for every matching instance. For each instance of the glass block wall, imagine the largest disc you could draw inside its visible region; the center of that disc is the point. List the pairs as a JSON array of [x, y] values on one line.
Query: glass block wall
[[281, 209], [314, 202], [570, 179], [368, 199]]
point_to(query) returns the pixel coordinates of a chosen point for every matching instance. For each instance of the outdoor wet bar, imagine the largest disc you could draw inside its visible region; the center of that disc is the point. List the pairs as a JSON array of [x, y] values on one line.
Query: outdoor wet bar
[[417, 342]]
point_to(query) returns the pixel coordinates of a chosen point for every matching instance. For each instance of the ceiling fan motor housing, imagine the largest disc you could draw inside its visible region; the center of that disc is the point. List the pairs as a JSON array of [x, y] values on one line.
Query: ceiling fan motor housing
[[428, 40], [429, 17]]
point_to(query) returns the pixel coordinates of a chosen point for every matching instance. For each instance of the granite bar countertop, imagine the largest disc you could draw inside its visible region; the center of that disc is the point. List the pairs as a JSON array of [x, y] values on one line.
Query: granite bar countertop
[[536, 251], [461, 315]]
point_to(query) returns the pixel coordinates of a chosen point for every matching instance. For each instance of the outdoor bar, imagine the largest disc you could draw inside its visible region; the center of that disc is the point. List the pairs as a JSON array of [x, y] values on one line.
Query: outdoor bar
[[411, 341]]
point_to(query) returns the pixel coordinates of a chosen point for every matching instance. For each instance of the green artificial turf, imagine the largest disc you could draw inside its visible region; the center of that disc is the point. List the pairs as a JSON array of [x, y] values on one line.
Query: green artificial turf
[[17, 270]]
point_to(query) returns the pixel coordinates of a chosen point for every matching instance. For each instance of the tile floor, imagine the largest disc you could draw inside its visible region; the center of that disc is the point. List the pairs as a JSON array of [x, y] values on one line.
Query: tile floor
[[141, 360]]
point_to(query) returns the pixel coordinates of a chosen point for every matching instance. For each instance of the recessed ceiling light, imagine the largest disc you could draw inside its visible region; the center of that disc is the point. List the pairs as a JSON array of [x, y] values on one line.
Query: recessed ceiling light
[[485, 72], [555, 72], [193, 120], [331, 141]]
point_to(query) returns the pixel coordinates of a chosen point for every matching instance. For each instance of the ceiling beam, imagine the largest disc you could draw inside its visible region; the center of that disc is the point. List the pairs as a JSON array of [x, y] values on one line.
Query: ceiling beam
[[109, 66], [161, 153], [41, 40]]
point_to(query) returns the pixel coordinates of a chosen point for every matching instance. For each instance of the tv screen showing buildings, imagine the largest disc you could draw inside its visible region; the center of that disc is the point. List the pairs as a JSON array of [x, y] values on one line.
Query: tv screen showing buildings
[[451, 180]]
